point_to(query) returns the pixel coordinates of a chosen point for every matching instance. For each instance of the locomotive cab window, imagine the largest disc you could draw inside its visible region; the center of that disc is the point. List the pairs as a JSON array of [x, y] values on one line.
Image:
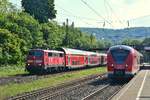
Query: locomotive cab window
[[36, 53]]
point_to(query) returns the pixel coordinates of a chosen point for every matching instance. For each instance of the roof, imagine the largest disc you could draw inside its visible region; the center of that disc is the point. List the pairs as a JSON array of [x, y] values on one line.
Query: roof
[[73, 51], [91, 53], [102, 54], [121, 47], [125, 47], [53, 51]]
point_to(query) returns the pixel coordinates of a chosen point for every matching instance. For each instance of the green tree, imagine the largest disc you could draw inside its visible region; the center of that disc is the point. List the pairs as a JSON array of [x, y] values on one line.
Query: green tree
[[146, 41], [10, 44], [26, 27], [43, 10], [131, 42], [52, 35], [6, 6]]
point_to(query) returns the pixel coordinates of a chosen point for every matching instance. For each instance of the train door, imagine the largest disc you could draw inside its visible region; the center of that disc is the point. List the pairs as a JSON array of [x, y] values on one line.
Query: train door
[[89, 60], [102, 60], [68, 60], [46, 56], [50, 56]]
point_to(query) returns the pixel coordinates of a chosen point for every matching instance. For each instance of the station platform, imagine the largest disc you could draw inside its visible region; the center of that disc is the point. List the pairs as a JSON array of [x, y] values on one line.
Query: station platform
[[137, 89]]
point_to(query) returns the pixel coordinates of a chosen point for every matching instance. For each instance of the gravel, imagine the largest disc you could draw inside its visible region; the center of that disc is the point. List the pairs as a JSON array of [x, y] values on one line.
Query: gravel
[[80, 91], [84, 90], [34, 95]]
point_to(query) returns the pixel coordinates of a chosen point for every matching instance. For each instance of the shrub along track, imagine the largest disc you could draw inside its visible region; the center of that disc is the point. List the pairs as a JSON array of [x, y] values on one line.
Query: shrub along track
[[22, 78], [53, 92]]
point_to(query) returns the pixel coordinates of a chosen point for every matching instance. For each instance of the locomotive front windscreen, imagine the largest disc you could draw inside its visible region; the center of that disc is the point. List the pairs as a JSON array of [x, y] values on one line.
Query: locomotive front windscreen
[[119, 55], [36, 53]]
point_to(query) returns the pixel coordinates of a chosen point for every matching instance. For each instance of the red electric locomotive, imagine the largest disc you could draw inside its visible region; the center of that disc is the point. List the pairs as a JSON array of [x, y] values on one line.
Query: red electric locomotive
[[122, 61], [39, 60]]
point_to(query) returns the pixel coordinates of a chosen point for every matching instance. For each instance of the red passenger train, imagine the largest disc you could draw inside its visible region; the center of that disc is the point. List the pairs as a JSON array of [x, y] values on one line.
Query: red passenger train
[[123, 61], [39, 60]]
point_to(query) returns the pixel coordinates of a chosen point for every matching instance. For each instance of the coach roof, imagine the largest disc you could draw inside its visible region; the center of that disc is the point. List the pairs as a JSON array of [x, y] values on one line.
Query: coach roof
[[73, 51], [53, 51]]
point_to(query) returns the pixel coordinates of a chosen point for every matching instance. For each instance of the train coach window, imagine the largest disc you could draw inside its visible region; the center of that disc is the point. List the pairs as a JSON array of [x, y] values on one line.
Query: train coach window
[[55, 55], [50, 54], [61, 55]]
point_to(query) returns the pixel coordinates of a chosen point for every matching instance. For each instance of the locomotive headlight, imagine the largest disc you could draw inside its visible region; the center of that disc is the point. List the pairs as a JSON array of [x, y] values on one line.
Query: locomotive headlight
[[30, 61], [39, 64], [38, 61], [112, 65], [126, 65]]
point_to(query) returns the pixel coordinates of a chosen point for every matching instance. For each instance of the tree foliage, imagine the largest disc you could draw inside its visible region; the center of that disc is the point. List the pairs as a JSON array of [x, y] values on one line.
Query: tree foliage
[[6, 7], [146, 41], [10, 47], [43, 10], [131, 42]]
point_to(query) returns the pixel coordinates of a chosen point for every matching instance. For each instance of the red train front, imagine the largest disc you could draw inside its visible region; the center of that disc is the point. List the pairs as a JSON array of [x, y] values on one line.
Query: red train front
[[39, 60], [122, 62]]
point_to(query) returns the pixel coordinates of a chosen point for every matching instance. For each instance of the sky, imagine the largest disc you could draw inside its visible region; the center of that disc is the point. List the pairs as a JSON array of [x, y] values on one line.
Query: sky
[[114, 14]]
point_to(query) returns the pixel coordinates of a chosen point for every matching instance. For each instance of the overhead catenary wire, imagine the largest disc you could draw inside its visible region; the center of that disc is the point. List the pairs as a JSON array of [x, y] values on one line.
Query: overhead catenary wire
[[96, 12], [77, 17], [106, 10], [89, 21], [137, 18], [113, 12]]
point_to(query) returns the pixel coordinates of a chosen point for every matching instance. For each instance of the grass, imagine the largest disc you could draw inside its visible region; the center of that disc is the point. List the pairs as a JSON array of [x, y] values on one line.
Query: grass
[[11, 70], [13, 89]]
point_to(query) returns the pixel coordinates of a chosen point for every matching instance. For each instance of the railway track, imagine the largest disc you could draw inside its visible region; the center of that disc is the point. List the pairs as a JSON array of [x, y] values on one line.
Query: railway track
[[106, 92], [48, 93], [96, 87], [90, 96]]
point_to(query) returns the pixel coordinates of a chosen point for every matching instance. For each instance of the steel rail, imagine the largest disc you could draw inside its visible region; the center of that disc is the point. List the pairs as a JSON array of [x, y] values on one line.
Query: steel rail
[[95, 92]]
